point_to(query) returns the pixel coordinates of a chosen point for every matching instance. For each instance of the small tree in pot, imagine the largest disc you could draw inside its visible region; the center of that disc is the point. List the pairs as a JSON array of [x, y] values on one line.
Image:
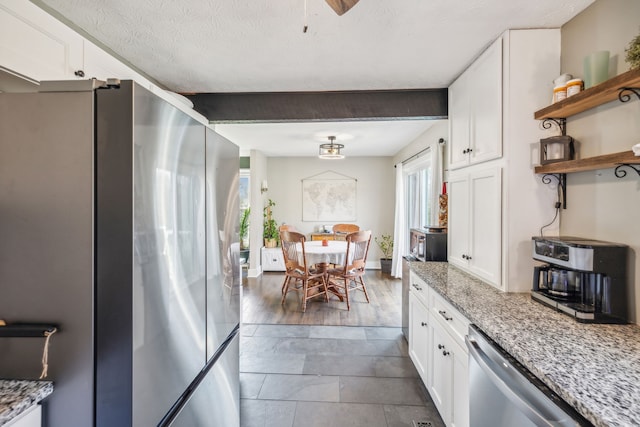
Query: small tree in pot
[[244, 229], [270, 226], [385, 242]]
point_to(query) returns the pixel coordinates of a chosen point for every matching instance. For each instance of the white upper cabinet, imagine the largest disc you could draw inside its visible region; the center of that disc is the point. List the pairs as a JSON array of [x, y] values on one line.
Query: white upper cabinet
[[492, 215], [475, 111], [35, 45]]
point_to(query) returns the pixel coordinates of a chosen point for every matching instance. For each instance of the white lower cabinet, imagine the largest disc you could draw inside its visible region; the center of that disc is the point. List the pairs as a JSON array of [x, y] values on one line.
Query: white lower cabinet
[[31, 417], [419, 336], [449, 375], [272, 259], [460, 399], [439, 354], [441, 385]]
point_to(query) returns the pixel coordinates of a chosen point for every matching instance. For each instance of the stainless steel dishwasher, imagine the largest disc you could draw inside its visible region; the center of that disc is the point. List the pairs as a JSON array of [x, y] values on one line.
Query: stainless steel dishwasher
[[503, 393]]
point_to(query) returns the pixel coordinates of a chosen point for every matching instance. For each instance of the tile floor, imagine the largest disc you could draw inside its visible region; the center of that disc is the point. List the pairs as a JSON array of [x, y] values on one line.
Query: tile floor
[[314, 376]]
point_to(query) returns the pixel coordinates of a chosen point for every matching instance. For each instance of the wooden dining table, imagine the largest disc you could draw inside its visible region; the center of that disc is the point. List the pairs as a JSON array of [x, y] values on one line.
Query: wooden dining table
[[335, 252]]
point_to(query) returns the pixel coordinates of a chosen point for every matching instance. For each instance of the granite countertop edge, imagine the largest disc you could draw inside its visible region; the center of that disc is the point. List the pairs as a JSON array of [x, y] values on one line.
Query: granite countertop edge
[[593, 367], [16, 396]]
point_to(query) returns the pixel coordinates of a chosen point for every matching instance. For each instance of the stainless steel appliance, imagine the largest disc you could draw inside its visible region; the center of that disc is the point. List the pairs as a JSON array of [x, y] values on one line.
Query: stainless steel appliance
[[505, 394], [582, 277], [119, 224], [428, 245]]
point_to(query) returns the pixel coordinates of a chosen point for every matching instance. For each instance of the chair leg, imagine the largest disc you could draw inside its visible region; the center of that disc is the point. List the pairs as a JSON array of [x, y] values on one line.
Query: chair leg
[[364, 288], [285, 289], [284, 284], [346, 293], [326, 290], [304, 295]]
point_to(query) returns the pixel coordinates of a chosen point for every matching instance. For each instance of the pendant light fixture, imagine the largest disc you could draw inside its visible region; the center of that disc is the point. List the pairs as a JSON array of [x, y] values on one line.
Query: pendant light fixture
[[331, 150]]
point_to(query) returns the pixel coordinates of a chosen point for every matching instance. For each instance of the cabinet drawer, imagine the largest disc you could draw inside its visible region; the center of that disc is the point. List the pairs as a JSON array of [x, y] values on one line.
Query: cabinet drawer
[[455, 323], [419, 288]]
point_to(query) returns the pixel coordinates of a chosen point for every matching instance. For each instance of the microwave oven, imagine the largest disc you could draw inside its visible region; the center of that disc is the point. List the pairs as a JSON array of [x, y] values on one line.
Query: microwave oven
[[427, 245]]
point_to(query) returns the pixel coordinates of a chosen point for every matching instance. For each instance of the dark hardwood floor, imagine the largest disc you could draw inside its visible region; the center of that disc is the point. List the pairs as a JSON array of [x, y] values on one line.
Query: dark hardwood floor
[[261, 304]]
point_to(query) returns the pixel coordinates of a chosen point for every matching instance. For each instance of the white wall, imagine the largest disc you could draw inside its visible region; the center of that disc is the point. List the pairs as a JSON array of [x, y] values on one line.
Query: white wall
[[600, 205], [429, 138], [375, 192], [258, 174]]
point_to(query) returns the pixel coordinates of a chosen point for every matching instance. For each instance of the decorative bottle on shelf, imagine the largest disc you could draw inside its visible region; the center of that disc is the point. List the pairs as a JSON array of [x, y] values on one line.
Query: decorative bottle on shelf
[[443, 211]]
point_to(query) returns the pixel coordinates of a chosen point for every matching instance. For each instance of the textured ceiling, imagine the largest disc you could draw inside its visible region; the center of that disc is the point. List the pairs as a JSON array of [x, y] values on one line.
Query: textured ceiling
[[370, 138], [259, 46]]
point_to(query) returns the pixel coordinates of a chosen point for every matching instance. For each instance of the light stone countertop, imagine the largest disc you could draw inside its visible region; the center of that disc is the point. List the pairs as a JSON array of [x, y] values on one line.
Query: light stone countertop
[[595, 368], [16, 396]]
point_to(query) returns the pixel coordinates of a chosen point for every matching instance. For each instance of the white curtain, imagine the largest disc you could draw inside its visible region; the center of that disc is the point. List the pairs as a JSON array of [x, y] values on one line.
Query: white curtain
[[400, 228], [437, 173]]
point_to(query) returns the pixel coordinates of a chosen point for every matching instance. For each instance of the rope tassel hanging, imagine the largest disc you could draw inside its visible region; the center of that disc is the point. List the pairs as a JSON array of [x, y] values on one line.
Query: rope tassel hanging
[[45, 353]]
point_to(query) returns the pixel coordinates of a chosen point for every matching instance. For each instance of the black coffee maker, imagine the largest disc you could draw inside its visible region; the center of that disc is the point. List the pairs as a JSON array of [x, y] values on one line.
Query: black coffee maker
[[584, 278]]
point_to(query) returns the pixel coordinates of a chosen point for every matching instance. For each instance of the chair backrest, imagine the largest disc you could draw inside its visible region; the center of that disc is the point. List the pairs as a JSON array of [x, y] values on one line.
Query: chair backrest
[[345, 228], [357, 250], [287, 227], [293, 251]]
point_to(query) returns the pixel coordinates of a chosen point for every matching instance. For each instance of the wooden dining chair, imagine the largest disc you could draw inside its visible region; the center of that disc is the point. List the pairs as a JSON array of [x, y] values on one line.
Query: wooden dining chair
[[349, 277], [340, 231], [299, 276]]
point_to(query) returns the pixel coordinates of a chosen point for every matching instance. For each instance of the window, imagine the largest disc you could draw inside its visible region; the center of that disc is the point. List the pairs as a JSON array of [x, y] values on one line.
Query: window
[[418, 177]]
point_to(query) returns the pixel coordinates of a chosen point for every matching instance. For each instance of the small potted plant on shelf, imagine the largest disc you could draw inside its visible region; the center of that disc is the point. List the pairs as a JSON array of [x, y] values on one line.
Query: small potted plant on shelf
[[270, 226], [633, 53], [385, 242]]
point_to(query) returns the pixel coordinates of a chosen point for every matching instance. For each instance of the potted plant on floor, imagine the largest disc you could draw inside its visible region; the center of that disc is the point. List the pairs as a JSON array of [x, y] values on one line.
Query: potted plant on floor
[[270, 226], [385, 242], [244, 229], [244, 235]]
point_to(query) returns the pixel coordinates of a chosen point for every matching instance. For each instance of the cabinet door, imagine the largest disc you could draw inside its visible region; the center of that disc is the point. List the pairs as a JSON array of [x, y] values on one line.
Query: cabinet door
[[31, 417], [272, 259], [459, 99], [441, 378], [458, 219], [486, 111], [36, 45], [419, 336], [485, 230], [460, 398]]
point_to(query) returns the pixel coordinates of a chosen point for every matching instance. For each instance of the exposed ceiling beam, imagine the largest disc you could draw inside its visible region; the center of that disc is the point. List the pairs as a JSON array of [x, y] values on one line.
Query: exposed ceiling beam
[[322, 106]]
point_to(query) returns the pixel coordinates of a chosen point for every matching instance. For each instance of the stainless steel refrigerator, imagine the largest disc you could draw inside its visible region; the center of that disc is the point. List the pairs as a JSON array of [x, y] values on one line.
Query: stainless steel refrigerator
[[119, 223]]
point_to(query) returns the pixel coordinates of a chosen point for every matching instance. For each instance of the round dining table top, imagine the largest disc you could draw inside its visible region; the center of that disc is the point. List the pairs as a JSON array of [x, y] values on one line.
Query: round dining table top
[[333, 253]]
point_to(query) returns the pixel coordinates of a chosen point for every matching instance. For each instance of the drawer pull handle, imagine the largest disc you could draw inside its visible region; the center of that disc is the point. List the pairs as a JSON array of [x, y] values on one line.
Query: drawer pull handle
[[424, 323], [444, 314], [418, 288], [445, 353], [440, 346]]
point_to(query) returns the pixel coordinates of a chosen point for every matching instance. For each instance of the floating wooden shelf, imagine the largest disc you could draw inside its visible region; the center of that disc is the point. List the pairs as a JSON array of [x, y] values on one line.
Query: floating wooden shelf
[[591, 163], [25, 330], [589, 98]]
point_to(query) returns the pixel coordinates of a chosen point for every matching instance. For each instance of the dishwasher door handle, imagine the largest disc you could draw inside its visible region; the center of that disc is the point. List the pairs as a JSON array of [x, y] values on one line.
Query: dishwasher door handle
[[515, 395]]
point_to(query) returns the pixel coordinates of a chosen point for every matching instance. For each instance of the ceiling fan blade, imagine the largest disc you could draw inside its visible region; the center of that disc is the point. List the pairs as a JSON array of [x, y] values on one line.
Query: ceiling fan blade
[[341, 6]]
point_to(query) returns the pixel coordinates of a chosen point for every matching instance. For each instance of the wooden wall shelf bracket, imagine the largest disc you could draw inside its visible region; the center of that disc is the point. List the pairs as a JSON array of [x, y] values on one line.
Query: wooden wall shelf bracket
[[562, 184]]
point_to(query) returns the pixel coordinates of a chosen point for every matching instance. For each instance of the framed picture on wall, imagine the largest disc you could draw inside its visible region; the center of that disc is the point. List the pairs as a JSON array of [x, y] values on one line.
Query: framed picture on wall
[[329, 199]]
